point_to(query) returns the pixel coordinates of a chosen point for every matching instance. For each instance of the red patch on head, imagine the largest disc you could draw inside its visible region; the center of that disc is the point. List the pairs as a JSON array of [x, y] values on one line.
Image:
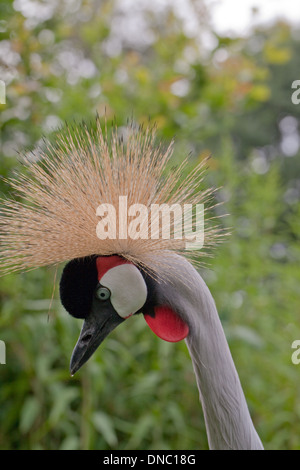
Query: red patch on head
[[167, 324], [105, 263]]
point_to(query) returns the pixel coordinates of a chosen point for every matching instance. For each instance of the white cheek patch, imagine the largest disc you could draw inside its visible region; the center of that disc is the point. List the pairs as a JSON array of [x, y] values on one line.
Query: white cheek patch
[[128, 289]]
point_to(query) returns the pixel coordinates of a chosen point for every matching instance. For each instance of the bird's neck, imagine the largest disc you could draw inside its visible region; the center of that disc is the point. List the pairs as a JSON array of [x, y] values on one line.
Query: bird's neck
[[228, 422]]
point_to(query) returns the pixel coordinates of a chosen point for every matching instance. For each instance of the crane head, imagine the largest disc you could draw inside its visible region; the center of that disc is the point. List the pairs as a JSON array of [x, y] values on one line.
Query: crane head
[[106, 290], [54, 215]]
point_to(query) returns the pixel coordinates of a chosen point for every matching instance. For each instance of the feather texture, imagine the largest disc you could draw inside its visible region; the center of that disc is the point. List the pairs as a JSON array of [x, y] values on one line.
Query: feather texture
[[52, 218], [228, 422]]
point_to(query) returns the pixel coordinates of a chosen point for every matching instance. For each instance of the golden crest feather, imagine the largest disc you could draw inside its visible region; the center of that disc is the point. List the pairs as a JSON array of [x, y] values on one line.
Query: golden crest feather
[[53, 217]]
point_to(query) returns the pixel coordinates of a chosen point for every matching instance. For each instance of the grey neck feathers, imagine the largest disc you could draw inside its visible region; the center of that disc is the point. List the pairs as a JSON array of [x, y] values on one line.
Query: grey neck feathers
[[227, 418]]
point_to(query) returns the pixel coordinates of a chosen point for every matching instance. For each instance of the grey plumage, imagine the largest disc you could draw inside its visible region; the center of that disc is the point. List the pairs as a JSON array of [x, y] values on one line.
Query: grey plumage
[[227, 418]]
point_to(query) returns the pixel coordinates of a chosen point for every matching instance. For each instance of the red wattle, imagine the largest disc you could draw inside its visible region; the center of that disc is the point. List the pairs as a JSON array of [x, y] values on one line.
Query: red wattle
[[167, 325]]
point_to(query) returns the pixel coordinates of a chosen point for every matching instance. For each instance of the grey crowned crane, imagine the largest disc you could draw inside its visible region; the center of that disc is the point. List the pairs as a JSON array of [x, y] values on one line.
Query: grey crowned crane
[[107, 279]]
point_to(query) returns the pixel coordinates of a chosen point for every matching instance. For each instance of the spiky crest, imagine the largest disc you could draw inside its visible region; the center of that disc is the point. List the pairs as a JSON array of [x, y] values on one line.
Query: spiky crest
[[53, 217]]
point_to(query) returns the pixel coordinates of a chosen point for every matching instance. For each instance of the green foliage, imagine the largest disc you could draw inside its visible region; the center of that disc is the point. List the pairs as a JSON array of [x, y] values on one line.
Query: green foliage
[[232, 99]]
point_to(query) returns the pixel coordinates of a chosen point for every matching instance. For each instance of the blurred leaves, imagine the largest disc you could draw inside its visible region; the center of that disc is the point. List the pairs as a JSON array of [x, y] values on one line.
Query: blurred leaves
[[29, 413], [104, 425]]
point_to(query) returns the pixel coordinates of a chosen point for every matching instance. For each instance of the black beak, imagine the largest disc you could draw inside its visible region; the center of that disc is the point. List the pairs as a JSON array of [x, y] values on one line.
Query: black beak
[[97, 325]]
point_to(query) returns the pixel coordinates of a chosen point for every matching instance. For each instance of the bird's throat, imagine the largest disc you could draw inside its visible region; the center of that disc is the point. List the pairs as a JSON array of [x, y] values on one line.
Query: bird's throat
[[167, 324]]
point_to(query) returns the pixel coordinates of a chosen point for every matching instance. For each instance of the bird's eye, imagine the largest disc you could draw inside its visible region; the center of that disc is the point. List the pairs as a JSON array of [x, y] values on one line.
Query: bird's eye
[[102, 293]]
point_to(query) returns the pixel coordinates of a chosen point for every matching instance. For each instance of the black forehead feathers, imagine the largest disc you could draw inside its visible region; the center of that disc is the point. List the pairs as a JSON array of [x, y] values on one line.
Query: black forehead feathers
[[77, 285]]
